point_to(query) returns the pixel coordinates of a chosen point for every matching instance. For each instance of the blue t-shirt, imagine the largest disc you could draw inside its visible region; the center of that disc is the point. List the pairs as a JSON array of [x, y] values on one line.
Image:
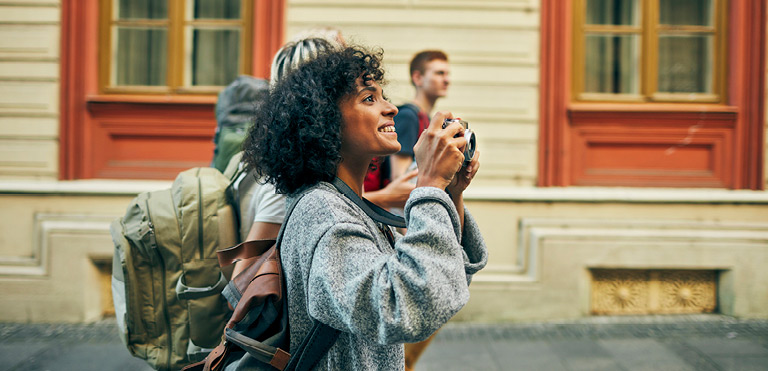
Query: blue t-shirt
[[407, 128]]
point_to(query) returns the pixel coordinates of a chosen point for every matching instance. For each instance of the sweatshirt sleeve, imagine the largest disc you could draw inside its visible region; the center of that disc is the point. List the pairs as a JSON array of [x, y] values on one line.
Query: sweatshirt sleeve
[[475, 252], [387, 296]]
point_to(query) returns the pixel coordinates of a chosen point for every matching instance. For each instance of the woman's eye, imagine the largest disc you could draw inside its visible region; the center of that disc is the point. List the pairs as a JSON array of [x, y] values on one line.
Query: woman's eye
[[368, 98]]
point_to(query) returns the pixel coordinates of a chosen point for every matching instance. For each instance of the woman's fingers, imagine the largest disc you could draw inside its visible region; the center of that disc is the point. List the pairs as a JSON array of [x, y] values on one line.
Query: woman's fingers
[[440, 151], [438, 119], [473, 166], [409, 175]]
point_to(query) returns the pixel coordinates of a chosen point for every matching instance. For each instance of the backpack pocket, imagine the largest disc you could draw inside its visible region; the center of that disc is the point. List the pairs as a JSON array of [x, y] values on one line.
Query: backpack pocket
[[118, 279], [134, 317], [199, 288], [138, 229]]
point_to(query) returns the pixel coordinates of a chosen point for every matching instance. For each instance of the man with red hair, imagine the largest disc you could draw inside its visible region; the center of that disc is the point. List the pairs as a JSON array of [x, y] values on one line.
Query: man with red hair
[[430, 75]]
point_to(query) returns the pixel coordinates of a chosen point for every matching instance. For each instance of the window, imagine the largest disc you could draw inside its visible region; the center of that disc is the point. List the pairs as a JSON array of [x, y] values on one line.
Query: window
[[655, 50], [173, 46], [633, 93], [139, 80]]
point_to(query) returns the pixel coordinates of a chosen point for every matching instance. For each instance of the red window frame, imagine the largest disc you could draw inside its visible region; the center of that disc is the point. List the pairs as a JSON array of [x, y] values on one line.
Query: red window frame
[[138, 136], [610, 144]]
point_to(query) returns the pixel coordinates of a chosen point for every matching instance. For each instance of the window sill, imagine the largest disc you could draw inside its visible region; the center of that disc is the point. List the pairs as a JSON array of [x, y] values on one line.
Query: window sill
[[650, 107], [616, 195], [84, 187], [152, 99]]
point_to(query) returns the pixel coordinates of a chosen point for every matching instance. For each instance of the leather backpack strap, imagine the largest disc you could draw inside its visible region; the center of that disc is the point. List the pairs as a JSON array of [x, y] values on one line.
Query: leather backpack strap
[[245, 250], [213, 358], [372, 210]]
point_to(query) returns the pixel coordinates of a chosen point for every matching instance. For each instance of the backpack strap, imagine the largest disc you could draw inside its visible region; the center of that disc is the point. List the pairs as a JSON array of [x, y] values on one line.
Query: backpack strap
[[314, 345], [321, 337], [372, 210], [242, 251]]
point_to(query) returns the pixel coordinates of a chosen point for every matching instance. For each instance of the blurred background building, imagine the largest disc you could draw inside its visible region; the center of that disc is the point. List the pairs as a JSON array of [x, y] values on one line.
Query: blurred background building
[[623, 141]]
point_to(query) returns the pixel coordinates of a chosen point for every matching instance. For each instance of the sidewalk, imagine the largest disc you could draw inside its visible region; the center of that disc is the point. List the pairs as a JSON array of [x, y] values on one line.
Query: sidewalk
[[699, 342]]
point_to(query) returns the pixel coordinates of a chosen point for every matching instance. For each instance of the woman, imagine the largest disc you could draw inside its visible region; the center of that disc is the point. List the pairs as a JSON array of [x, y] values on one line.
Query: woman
[[329, 119]]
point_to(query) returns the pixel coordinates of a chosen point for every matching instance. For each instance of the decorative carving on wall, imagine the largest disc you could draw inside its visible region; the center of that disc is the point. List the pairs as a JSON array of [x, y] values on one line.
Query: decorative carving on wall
[[687, 291], [636, 291], [618, 292]]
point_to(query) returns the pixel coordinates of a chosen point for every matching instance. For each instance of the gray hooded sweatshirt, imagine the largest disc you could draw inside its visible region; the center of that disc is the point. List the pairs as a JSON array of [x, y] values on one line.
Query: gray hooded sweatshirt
[[341, 270]]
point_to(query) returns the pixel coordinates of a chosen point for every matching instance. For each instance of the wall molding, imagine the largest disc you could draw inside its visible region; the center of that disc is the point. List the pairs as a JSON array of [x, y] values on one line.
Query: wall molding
[[44, 225], [534, 233]]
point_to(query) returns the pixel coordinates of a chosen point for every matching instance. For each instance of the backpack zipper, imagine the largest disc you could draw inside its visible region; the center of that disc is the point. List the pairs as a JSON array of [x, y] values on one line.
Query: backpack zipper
[[162, 276], [200, 218], [152, 239]]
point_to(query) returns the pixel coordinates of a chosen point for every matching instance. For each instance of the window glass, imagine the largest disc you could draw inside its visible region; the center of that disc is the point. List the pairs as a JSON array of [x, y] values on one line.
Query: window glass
[[215, 56], [685, 64], [685, 12], [216, 9], [176, 46], [140, 58], [142, 9], [611, 64], [612, 12], [648, 50]]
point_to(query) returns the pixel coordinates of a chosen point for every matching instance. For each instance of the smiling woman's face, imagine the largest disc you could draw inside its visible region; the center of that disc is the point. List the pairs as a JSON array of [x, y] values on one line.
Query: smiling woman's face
[[369, 129]]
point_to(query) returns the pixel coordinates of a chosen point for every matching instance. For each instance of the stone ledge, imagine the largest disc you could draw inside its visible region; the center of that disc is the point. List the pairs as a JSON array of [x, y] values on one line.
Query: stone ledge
[[87, 187], [616, 195], [109, 187]]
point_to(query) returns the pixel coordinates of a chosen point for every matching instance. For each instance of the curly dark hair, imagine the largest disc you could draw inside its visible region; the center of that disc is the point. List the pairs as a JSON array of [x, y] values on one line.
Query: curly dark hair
[[295, 141]]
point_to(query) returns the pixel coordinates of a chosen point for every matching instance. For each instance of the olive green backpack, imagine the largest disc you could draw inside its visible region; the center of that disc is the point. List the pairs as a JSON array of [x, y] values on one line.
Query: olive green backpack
[[166, 280]]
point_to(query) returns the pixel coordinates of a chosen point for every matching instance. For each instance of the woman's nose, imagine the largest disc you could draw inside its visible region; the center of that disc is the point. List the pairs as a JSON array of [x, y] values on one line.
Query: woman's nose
[[390, 109]]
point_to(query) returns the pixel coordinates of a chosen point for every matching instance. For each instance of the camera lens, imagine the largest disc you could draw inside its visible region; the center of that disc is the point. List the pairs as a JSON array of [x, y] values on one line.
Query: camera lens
[[469, 151]]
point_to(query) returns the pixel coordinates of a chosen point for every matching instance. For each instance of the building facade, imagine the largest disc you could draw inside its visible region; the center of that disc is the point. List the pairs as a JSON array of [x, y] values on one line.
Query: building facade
[[623, 142]]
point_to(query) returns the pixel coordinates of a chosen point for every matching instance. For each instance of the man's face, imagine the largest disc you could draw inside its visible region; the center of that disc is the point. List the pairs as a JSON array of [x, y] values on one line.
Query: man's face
[[435, 79]]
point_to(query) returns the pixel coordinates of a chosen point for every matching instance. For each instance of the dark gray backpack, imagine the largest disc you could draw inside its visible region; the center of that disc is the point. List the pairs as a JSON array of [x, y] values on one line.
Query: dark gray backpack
[[235, 108]]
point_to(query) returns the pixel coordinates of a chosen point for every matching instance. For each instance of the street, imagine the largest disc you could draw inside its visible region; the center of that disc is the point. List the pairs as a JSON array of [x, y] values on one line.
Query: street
[[681, 342]]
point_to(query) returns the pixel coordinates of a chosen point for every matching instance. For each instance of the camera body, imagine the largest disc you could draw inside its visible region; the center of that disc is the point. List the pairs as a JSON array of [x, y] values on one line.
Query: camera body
[[469, 136]]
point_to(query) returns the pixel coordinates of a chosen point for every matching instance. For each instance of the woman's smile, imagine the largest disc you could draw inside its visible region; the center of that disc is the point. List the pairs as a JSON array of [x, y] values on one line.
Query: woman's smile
[[388, 129]]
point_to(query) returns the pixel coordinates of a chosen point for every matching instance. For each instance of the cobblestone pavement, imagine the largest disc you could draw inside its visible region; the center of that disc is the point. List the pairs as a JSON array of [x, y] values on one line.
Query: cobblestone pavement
[[699, 342]]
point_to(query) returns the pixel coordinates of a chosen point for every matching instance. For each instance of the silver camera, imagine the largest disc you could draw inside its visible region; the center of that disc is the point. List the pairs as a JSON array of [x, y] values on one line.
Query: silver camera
[[469, 136]]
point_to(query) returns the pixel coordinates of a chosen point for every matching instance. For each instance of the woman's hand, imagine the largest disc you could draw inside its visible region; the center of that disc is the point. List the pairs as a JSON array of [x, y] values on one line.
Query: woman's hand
[[464, 176], [438, 154]]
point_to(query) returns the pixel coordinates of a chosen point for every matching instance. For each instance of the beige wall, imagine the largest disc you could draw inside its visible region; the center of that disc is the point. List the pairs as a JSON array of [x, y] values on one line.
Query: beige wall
[[542, 242], [52, 237], [29, 89], [493, 49]]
